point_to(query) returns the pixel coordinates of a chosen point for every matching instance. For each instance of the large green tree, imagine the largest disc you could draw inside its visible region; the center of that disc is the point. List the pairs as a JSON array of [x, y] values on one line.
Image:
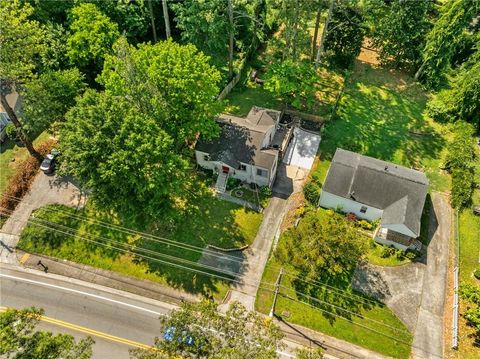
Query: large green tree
[[19, 338], [442, 40], [237, 334], [48, 98], [345, 34], [92, 35], [172, 83], [122, 153], [323, 245], [399, 30], [21, 44]]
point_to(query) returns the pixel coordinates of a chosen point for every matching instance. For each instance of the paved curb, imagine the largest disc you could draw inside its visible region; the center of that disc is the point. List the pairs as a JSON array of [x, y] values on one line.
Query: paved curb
[[104, 278]]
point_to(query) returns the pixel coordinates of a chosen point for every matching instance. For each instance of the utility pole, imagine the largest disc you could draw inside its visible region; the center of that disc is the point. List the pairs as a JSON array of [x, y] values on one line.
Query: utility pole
[[324, 33], [152, 19], [277, 289], [166, 18]]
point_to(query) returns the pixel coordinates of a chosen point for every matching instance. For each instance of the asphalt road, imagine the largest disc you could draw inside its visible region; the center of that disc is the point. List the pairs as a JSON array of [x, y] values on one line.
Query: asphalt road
[[116, 320]]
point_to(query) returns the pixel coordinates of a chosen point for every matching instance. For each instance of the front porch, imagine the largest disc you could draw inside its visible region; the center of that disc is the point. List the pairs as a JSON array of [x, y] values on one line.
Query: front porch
[[398, 240]]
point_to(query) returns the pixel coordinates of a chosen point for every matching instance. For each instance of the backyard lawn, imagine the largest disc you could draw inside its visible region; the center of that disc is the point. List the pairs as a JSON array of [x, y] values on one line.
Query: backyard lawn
[[205, 220], [381, 115], [10, 155], [469, 230]]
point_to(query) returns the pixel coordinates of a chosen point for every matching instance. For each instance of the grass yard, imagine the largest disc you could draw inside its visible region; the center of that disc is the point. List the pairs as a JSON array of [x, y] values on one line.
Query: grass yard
[[206, 220], [381, 115], [344, 326], [11, 154], [377, 255], [469, 234]]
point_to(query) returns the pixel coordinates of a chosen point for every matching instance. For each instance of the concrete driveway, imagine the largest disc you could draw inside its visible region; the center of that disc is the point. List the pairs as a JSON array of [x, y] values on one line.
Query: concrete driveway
[[302, 149], [44, 190]]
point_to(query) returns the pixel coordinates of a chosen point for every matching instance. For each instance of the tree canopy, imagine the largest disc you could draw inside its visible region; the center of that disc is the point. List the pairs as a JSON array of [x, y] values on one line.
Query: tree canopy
[[48, 98], [443, 38], [122, 153], [399, 30], [344, 38], [172, 83], [237, 334], [92, 35], [20, 339], [324, 244]]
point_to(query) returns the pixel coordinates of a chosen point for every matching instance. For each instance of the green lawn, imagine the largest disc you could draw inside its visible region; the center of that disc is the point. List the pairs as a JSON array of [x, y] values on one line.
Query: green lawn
[[376, 255], [205, 220], [10, 151], [367, 313], [469, 234], [381, 115]]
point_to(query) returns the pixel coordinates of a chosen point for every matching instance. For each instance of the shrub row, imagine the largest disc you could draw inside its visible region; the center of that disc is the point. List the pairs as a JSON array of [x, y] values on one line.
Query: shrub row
[[19, 184]]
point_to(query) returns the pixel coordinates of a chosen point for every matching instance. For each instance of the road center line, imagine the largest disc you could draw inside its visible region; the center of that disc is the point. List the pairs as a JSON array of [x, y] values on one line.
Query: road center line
[[82, 293]]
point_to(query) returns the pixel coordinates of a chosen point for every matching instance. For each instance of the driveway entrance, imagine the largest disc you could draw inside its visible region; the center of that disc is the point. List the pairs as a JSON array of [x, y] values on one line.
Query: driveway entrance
[[302, 149]]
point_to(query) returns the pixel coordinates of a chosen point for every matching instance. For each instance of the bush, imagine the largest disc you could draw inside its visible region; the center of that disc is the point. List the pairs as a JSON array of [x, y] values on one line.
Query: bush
[[388, 252], [365, 225], [476, 273], [11, 131], [266, 191], [232, 183], [410, 254], [312, 191], [462, 187], [20, 182]]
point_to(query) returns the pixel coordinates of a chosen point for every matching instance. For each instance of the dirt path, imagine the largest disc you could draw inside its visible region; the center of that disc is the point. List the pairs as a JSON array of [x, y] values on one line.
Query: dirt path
[[428, 335], [44, 190]]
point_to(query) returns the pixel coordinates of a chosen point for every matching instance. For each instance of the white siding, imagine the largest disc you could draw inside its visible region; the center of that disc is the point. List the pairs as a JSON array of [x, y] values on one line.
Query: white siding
[[268, 137], [249, 175], [332, 201], [400, 228]]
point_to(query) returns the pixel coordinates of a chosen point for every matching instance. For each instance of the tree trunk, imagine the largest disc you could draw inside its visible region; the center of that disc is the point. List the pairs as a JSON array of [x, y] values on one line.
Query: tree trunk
[[13, 117], [152, 19], [166, 18], [295, 31], [324, 33], [419, 72], [315, 34], [230, 40]]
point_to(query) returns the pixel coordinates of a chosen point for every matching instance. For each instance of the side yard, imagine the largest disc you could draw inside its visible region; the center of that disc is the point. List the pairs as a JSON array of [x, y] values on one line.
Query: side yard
[[336, 309], [167, 252]]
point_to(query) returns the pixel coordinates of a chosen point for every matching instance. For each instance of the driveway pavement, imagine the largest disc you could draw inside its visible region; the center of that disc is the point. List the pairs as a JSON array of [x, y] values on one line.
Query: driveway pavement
[[428, 335], [44, 190]]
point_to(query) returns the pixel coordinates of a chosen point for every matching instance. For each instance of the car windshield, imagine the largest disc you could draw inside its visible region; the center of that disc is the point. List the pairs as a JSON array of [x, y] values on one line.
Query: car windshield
[[46, 162]]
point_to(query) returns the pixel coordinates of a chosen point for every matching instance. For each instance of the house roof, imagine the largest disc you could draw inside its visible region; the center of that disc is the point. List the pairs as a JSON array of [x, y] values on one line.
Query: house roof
[[399, 191], [238, 144]]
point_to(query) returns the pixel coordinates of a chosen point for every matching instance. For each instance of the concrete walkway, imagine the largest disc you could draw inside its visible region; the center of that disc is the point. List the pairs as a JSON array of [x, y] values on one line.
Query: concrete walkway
[[428, 335], [44, 190]]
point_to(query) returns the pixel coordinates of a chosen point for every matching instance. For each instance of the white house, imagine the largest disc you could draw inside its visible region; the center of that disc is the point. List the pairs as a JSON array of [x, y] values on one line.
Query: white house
[[247, 148], [375, 189]]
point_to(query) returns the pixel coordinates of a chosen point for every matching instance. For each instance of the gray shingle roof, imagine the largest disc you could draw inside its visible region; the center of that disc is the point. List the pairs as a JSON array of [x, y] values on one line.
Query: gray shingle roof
[[238, 144], [399, 191]]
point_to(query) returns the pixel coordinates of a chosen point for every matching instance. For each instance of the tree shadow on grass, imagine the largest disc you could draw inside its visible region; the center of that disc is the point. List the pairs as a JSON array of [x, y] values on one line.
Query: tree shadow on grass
[[335, 298], [377, 120]]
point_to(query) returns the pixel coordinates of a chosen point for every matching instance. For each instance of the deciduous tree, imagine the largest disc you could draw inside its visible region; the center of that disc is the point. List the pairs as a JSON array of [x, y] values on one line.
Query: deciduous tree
[[20, 339], [199, 330], [21, 43], [399, 30], [48, 98], [344, 38], [322, 246], [172, 83], [92, 35], [122, 153]]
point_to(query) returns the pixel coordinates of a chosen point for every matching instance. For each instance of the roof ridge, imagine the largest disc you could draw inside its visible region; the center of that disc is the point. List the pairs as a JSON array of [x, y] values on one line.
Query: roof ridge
[[396, 175]]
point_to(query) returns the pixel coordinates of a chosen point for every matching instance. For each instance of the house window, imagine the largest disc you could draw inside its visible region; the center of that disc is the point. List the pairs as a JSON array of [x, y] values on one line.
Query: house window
[[363, 209], [206, 158], [262, 172], [242, 167]]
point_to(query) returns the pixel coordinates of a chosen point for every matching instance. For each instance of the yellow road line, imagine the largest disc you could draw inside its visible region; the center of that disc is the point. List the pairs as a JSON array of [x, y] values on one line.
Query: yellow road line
[[91, 332], [24, 258]]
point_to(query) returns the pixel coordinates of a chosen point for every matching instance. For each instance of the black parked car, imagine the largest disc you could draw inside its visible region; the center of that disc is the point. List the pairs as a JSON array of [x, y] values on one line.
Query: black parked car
[[48, 163]]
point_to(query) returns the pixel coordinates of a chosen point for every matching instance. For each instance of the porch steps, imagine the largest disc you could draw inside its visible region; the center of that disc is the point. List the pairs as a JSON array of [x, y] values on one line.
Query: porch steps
[[221, 184]]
